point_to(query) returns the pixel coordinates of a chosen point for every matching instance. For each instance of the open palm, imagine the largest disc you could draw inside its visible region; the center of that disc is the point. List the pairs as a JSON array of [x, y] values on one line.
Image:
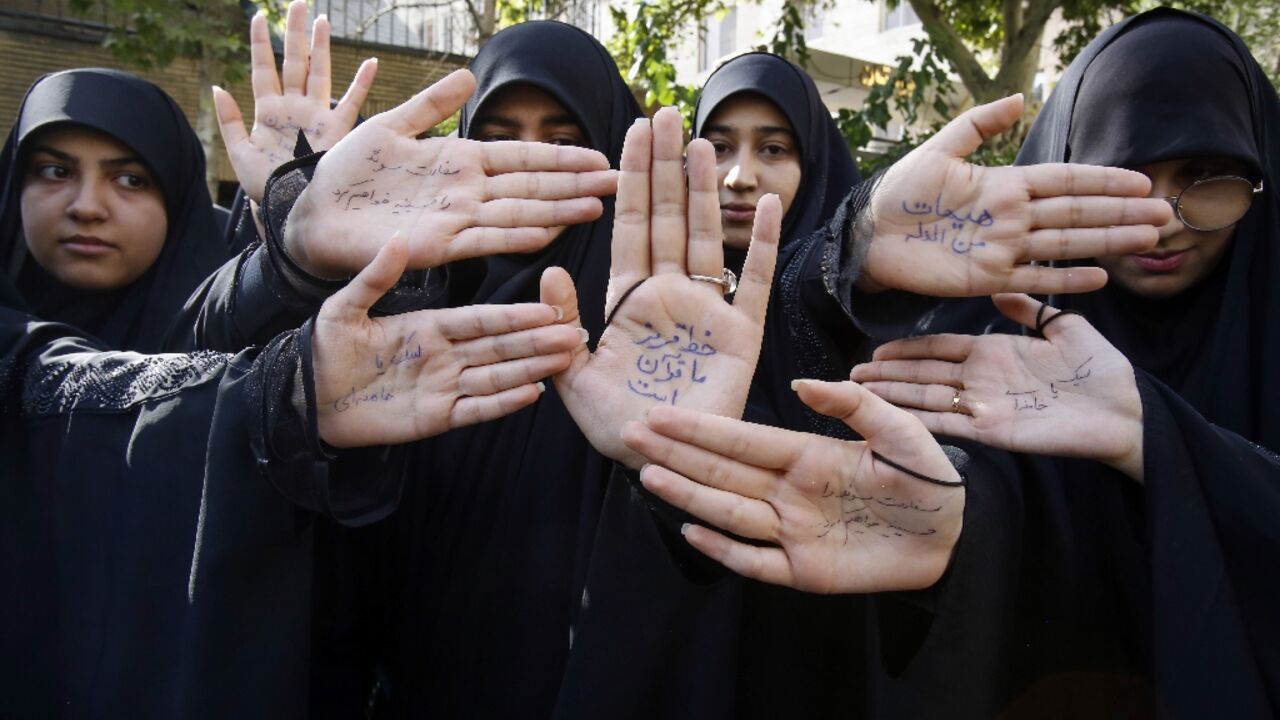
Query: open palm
[[298, 99], [1071, 394], [948, 228], [452, 198], [837, 518], [399, 378], [672, 339]]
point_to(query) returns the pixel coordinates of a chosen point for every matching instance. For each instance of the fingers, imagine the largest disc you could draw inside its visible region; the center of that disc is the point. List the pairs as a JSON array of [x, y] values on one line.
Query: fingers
[[431, 106], [1053, 179], [757, 271], [859, 408], [699, 465], [913, 371], [744, 517], [706, 241], [348, 108], [484, 241], [1074, 211], [483, 408], [556, 289], [953, 348], [510, 156], [551, 185], [512, 213], [1079, 243], [262, 60], [630, 244], [516, 344], [352, 302], [908, 395], [495, 378], [759, 445], [477, 321], [669, 221], [293, 72], [766, 564], [319, 83], [1041, 280], [962, 136], [950, 424], [230, 121]]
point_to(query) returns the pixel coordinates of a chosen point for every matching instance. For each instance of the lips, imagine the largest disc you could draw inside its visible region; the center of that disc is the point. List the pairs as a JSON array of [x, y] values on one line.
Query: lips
[[738, 212], [89, 245], [1160, 262]]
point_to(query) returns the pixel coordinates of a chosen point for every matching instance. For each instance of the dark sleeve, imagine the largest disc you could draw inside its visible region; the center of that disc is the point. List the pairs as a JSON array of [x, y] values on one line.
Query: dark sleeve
[[1212, 503]]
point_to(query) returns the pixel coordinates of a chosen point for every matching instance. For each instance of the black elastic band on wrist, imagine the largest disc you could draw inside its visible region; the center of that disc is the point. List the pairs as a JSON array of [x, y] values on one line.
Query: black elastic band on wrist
[[932, 481], [621, 300], [1042, 322]]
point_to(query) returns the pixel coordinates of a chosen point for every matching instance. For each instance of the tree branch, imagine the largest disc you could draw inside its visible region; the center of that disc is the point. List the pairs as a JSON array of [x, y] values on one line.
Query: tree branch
[[1014, 63], [951, 46], [368, 22]]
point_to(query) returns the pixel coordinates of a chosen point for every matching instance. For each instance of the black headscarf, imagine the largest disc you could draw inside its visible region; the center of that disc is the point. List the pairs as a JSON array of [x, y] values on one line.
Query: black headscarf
[[1166, 85], [484, 557], [1159, 86], [147, 121], [828, 169]]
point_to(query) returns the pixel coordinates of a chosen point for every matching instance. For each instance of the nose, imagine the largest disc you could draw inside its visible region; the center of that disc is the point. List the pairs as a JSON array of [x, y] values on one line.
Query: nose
[[1166, 190], [89, 203], [742, 176]]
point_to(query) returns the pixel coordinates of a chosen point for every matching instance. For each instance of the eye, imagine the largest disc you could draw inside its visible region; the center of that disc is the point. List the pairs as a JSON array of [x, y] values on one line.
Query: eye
[[721, 147], [567, 140], [494, 137], [50, 171], [775, 150], [132, 181]]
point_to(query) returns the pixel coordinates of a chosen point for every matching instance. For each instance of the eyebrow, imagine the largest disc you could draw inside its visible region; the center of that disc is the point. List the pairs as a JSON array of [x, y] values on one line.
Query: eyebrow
[[67, 158], [761, 129], [508, 122]]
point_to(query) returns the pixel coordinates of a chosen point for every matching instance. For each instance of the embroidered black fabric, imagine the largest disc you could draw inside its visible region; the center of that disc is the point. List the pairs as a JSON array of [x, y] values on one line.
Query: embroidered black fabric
[[115, 381]]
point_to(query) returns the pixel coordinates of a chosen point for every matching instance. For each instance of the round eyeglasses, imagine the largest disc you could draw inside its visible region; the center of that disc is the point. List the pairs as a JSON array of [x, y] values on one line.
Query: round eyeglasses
[[1214, 203]]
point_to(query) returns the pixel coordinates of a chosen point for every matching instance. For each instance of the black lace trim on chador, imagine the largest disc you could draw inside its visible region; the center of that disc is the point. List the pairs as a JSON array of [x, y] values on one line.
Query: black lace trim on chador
[[115, 382]]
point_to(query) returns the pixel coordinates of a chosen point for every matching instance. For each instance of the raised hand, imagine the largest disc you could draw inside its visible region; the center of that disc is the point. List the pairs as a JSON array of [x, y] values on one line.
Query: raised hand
[[452, 198], [944, 227], [836, 518], [673, 339], [400, 378], [297, 99], [1072, 394]]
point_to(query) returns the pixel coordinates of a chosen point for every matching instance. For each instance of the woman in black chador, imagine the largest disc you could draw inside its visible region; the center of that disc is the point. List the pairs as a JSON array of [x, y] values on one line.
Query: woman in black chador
[[105, 219], [1171, 380]]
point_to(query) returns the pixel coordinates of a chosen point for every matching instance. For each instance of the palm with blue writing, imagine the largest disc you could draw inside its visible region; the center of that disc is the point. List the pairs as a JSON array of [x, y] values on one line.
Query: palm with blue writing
[[944, 227], [296, 99], [673, 339], [1072, 394], [399, 378], [451, 198], [829, 515]]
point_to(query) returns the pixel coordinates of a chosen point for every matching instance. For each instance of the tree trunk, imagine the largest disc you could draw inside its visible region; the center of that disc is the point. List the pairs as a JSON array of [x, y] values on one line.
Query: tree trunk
[[207, 120]]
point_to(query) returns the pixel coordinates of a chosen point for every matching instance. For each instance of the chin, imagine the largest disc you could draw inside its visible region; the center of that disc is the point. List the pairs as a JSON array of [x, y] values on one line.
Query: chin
[[1154, 287], [737, 243]]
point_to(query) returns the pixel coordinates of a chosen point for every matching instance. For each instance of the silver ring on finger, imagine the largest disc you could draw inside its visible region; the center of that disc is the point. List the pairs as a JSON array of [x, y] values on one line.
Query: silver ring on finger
[[727, 281]]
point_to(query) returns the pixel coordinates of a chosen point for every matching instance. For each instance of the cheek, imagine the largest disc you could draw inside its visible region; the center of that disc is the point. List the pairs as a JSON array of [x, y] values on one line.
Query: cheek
[[144, 225], [785, 182], [41, 209]]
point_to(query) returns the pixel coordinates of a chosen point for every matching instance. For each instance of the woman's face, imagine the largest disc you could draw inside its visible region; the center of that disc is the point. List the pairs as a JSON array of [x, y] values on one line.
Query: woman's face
[[756, 153], [1183, 256], [92, 213], [523, 112]]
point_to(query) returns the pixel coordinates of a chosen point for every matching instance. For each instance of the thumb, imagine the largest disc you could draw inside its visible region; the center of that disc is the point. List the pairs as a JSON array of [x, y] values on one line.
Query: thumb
[[962, 136], [432, 106], [556, 289], [862, 410], [1019, 308], [352, 303]]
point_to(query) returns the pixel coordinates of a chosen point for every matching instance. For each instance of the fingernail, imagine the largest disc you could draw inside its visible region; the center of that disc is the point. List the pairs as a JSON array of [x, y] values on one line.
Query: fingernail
[[684, 529], [641, 121], [582, 332], [559, 312], [218, 88], [322, 16], [542, 387], [795, 384]]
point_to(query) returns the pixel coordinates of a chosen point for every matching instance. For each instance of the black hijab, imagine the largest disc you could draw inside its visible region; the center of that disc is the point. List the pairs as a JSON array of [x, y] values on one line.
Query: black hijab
[[148, 121], [1165, 85], [483, 559]]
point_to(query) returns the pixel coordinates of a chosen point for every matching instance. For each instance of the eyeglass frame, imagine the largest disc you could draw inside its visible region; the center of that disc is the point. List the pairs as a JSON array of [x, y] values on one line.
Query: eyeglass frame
[[1175, 201]]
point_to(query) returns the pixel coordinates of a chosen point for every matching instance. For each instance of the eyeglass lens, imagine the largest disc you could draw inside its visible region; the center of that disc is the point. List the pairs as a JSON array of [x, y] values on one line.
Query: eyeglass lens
[[1215, 203]]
